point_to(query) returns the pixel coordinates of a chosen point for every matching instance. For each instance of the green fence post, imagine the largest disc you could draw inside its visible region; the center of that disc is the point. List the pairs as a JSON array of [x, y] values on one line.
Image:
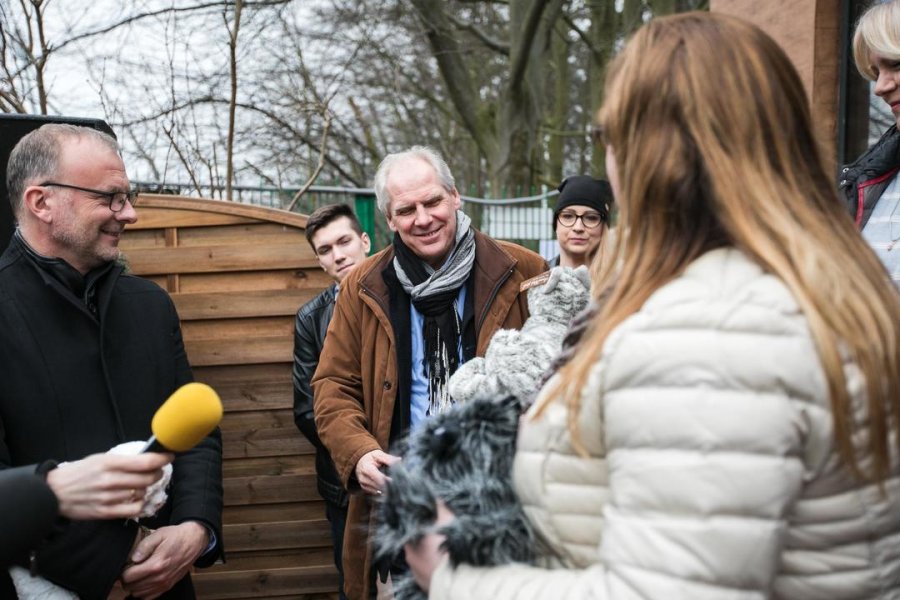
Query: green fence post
[[365, 212]]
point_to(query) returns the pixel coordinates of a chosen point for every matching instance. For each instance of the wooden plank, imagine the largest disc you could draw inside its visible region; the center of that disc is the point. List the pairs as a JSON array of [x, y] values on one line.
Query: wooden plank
[[291, 596], [240, 329], [223, 207], [160, 280], [261, 434], [236, 305], [312, 278], [263, 396], [270, 582], [246, 233], [142, 238], [278, 535], [261, 513], [303, 464], [269, 419], [240, 352], [269, 441], [248, 375], [232, 257], [250, 387], [282, 558], [267, 489], [160, 218]]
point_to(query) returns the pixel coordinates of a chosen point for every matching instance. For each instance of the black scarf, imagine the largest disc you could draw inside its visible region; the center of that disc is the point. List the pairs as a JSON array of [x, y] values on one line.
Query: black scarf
[[441, 328]]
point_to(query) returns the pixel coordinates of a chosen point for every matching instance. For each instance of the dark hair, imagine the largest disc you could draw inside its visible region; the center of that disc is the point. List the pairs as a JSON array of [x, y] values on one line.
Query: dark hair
[[324, 215]]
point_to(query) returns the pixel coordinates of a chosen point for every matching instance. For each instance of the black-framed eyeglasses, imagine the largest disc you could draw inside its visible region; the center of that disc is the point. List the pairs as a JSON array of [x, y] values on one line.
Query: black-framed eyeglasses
[[589, 220], [116, 200]]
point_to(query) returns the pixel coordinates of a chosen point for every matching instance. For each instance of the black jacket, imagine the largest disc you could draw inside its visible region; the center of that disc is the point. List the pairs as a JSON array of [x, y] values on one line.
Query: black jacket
[[863, 181], [309, 337], [82, 374]]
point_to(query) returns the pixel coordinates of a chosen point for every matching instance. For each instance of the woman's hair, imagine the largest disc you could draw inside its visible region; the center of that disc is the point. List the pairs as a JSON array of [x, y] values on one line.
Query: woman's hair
[[710, 127], [878, 31]]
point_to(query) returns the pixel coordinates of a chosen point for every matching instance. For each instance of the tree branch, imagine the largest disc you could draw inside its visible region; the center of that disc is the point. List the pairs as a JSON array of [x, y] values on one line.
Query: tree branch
[[459, 85], [493, 44], [520, 54], [321, 163]]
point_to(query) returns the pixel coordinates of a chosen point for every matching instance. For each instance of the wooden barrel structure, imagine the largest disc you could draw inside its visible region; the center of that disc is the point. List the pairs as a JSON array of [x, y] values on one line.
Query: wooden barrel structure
[[237, 275]]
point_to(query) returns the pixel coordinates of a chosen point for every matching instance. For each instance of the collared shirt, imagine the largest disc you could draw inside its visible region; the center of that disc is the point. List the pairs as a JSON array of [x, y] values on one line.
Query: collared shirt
[[419, 400], [882, 231]]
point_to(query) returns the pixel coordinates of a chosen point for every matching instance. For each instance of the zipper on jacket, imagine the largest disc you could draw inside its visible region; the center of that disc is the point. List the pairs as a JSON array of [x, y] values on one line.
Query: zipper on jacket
[[490, 301], [369, 293]]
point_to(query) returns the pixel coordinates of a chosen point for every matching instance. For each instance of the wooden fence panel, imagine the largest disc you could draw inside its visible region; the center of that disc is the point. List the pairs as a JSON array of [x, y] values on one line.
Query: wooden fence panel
[[237, 275]]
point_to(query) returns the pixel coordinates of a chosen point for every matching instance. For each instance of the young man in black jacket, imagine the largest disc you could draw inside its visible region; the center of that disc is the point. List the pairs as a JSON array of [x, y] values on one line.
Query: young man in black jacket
[[339, 243]]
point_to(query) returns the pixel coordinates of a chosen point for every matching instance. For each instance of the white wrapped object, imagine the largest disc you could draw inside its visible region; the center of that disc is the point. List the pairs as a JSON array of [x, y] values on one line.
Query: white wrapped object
[[156, 495], [29, 587]]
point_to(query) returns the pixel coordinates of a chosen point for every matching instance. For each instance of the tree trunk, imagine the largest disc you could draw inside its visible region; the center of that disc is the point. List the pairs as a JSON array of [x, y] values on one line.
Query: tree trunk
[[603, 39]]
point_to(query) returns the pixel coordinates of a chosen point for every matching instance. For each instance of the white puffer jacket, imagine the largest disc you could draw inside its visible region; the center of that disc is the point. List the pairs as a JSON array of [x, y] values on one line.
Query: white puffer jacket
[[724, 480]]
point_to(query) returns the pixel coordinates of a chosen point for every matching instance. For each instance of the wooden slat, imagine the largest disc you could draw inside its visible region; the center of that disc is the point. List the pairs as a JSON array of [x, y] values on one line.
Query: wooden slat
[[277, 535], [292, 596], [261, 513], [266, 489], [142, 238], [271, 465], [250, 387], [256, 443], [236, 352], [233, 305], [204, 206], [238, 329], [261, 434], [159, 280], [267, 419], [231, 257], [247, 233], [312, 278], [281, 558], [160, 218], [261, 396], [270, 582]]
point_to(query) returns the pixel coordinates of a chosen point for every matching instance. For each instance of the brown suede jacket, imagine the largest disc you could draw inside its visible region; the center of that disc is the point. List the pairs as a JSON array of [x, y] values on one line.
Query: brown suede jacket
[[355, 385]]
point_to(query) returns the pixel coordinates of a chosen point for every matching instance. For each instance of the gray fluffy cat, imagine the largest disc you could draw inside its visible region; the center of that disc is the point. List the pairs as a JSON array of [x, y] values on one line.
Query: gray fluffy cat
[[464, 456]]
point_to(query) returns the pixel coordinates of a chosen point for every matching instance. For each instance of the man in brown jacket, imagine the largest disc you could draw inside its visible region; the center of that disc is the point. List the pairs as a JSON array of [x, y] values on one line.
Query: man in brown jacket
[[405, 319]]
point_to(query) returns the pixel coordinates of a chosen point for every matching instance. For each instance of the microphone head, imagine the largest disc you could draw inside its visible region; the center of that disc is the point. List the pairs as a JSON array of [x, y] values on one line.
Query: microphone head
[[188, 416]]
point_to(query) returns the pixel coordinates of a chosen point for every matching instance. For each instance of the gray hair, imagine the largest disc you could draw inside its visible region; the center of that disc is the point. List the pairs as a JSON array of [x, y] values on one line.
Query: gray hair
[[36, 156], [425, 153]]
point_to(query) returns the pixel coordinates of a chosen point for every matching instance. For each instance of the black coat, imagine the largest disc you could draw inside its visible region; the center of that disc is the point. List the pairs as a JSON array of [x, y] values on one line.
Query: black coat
[[309, 337], [75, 384], [863, 181]]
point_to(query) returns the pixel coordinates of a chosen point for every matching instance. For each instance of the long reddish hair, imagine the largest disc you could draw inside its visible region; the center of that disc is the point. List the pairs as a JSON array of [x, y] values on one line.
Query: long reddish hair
[[711, 131]]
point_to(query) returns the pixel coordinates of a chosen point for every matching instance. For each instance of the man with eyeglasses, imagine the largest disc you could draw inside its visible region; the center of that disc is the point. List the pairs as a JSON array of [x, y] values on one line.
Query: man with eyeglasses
[[581, 218], [88, 354]]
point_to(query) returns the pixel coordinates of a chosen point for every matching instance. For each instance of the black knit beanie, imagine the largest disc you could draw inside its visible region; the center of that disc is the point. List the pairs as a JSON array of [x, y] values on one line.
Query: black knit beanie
[[584, 190]]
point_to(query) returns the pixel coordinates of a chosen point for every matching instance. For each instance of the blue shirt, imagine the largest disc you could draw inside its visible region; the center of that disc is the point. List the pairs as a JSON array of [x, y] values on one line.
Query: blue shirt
[[419, 381]]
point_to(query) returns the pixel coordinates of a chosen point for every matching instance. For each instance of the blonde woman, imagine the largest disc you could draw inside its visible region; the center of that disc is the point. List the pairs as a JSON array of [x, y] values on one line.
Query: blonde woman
[[870, 184], [739, 390]]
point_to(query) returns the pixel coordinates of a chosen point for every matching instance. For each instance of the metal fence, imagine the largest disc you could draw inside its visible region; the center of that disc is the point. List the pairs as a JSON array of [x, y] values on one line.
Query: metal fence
[[527, 221]]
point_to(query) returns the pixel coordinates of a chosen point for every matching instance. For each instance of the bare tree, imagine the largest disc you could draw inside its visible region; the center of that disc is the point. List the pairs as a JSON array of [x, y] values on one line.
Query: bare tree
[[290, 92]]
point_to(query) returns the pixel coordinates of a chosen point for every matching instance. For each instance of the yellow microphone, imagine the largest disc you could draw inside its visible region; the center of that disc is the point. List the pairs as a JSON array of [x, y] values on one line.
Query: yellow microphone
[[188, 416]]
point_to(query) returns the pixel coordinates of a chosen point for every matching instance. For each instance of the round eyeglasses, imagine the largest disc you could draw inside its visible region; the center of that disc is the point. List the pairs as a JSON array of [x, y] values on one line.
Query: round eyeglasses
[[590, 220], [115, 200]]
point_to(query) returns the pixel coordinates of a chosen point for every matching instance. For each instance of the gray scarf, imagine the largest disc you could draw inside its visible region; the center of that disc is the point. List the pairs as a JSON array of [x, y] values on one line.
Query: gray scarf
[[433, 293]]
